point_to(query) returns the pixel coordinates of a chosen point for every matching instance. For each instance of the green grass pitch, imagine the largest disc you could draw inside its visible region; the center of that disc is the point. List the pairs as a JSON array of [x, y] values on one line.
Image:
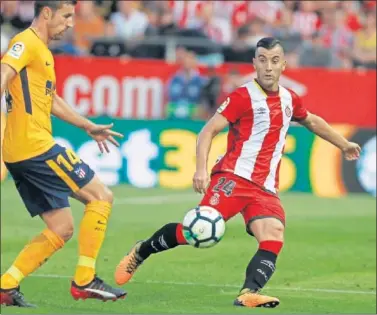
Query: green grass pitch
[[328, 263]]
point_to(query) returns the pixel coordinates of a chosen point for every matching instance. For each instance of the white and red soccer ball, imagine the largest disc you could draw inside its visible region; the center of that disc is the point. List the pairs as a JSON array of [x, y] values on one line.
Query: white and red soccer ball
[[203, 227]]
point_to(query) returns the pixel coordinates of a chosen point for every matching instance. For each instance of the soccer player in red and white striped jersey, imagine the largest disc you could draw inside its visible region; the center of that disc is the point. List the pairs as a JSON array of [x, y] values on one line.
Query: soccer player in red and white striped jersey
[[246, 179]]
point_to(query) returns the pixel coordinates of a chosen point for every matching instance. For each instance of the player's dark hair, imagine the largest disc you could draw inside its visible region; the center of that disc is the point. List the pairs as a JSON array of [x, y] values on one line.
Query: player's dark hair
[[52, 4], [269, 43]]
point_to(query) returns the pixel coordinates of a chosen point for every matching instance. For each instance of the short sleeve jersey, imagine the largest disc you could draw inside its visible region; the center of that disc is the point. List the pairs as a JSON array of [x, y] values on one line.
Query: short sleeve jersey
[[259, 123], [29, 98]]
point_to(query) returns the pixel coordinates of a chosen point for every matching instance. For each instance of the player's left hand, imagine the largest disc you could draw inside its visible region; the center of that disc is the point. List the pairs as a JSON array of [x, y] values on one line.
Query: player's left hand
[[351, 151], [102, 134]]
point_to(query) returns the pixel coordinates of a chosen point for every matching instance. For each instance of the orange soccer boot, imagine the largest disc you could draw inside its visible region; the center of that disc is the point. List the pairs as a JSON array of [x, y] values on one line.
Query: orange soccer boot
[[128, 265], [248, 298]]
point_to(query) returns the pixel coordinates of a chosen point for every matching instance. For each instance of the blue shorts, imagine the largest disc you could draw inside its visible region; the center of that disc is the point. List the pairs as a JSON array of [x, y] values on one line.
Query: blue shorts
[[47, 181]]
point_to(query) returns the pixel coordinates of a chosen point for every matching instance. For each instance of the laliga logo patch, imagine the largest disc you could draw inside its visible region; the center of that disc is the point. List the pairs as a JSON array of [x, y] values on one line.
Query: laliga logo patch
[[17, 50], [215, 199], [223, 105], [288, 111]]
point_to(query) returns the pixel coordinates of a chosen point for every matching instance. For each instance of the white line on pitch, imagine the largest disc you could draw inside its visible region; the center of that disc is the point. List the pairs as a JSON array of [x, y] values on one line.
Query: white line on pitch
[[320, 290]]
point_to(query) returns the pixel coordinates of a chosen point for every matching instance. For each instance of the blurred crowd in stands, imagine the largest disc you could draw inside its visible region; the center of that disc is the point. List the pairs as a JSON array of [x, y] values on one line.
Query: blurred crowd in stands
[[338, 34], [333, 34]]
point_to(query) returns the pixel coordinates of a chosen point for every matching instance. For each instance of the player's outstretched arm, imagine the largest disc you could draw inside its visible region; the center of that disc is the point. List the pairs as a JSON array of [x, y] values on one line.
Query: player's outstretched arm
[[100, 133], [216, 124], [321, 128], [65, 112], [7, 74]]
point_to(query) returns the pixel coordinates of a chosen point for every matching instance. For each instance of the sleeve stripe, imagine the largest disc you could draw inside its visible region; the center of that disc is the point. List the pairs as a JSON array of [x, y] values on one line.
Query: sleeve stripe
[[26, 91]]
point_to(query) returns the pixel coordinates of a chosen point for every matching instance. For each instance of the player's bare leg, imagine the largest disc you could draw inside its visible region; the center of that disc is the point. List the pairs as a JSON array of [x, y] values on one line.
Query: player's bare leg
[[168, 237], [98, 201], [269, 233], [60, 221], [59, 230]]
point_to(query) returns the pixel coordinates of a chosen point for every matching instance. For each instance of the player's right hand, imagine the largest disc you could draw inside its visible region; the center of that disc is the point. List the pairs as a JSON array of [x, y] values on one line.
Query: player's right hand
[[200, 181]]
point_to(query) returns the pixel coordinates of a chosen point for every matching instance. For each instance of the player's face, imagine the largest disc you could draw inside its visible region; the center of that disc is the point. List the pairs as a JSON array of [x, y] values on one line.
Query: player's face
[[61, 21], [269, 64]]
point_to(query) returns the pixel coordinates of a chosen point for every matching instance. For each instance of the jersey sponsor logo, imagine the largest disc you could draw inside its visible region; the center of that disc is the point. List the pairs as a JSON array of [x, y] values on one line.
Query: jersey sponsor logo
[[17, 50], [260, 111], [223, 105], [288, 111], [50, 88]]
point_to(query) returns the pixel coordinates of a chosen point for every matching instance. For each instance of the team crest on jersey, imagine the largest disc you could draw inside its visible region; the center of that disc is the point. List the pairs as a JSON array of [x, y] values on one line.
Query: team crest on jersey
[[215, 199], [288, 111], [17, 50], [223, 105], [80, 173]]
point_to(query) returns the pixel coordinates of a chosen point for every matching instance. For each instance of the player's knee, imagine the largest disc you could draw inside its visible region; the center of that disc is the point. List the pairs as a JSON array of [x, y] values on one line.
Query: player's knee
[[103, 194], [267, 229], [108, 195], [68, 233], [275, 233], [64, 230]]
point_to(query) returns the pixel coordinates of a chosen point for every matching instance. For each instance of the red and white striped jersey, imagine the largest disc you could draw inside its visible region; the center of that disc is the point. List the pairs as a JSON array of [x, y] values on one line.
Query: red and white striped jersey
[[259, 123], [184, 12], [306, 23]]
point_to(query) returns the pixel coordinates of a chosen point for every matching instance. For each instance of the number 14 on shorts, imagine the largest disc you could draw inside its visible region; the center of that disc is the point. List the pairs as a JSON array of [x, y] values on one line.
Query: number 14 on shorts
[[67, 160], [72, 157]]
